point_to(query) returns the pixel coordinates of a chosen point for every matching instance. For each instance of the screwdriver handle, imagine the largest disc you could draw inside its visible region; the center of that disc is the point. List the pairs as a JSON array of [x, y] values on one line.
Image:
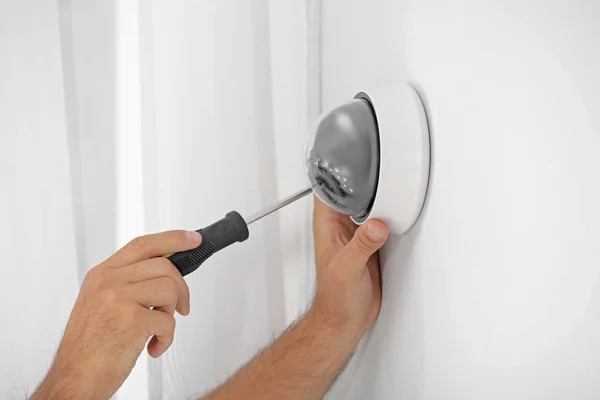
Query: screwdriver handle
[[215, 237]]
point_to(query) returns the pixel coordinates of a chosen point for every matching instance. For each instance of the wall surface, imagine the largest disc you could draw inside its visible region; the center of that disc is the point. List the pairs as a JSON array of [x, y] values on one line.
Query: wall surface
[[494, 294]]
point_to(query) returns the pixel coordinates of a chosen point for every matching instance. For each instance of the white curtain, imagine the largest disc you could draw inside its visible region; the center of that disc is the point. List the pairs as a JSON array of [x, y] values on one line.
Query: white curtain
[[37, 242], [121, 118]]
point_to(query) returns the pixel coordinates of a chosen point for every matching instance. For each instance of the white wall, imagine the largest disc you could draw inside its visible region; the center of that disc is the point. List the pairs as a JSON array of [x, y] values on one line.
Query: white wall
[[494, 294]]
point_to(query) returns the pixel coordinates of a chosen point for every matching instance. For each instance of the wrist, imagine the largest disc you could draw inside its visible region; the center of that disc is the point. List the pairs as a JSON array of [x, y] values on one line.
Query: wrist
[[339, 328], [301, 364], [335, 319]]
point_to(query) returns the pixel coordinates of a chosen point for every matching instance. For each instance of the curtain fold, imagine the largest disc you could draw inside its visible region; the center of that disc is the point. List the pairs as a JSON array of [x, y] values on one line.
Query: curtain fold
[[37, 242], [125, 118], [213, 128], [220, 88]]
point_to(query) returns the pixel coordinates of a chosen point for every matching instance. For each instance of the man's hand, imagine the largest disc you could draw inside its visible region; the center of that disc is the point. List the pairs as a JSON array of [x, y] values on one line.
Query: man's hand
[[127, 299], [347, 262], [304, 362]]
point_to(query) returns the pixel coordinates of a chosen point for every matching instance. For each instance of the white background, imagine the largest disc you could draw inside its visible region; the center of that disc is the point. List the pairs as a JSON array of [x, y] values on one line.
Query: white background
[[495, 293], [124, 117]]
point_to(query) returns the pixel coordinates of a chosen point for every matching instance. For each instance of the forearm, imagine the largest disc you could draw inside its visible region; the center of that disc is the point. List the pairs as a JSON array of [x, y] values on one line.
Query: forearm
[[60, 384], [302, 364]]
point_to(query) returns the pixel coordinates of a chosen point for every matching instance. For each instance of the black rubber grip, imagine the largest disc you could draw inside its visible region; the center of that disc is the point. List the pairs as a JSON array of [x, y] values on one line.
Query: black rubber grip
[[215, 237]]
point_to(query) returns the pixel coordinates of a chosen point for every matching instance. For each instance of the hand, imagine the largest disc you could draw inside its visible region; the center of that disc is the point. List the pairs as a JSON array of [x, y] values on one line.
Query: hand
[[348, 280], [305, 360], [127, 299]]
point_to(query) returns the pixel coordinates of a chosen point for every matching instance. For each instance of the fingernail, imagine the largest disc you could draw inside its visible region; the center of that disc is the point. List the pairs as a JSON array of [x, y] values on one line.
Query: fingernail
[[374, 233], [194, 237]]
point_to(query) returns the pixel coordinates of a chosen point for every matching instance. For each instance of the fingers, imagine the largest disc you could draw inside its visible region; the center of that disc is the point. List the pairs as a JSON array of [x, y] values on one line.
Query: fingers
[[160, 293], [321, 209], [156, 268], [367, 239], [331, 232], [161, 326], [324, 217], [373, 266], [155, 245]]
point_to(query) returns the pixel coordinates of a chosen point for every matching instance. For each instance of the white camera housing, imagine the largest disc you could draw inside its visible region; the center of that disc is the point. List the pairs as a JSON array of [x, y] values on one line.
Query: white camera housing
[[404, 157]]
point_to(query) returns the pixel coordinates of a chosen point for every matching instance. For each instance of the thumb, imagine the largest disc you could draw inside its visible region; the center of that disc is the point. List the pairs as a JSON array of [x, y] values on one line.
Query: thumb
[[367, 239]]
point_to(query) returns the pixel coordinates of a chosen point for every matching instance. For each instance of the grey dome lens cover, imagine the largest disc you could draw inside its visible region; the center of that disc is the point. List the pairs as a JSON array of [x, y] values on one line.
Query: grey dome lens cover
[[342, 158]]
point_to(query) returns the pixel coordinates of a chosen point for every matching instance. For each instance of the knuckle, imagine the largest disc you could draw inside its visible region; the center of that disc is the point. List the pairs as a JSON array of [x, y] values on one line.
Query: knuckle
[[92, 276], [140, 244], [168, 270], [169, 286], [165, 266], [363, 244], [171, 322], [165, 291], [112, 306], [167, 283], [112, 298], [98, 279]]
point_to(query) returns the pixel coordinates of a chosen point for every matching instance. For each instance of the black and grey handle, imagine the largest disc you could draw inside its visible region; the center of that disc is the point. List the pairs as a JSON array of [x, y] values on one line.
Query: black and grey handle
[[215, 237]]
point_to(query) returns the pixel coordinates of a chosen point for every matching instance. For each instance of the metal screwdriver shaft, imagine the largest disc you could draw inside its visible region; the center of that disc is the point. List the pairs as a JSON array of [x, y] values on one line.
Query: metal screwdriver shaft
[[280, 204]]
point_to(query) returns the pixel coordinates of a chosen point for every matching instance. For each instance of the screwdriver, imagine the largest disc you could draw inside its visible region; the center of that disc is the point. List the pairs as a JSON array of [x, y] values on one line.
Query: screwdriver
[[231, 229]]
